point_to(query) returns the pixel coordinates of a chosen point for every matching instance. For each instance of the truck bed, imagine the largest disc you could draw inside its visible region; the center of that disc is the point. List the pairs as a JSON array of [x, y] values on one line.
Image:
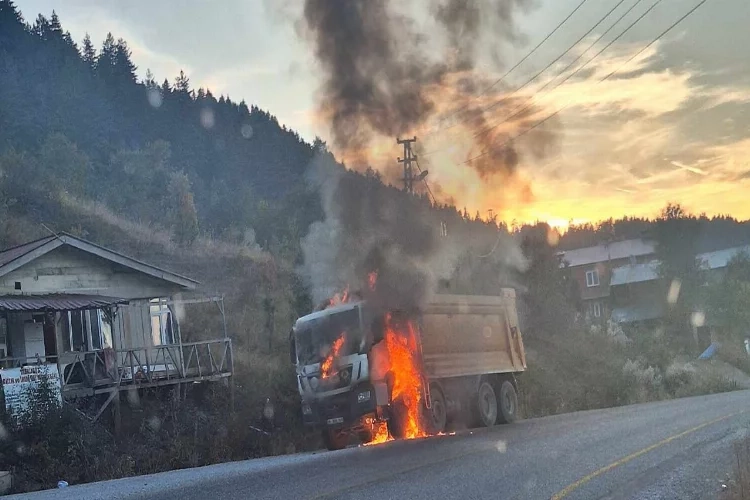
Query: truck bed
[[471, 335]]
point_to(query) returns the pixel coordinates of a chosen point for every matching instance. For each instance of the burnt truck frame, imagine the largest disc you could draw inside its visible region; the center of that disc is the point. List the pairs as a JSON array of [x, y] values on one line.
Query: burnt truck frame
[[471, 349]]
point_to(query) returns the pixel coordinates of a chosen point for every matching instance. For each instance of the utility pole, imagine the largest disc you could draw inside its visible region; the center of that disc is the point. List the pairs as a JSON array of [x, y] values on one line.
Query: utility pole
[[407, 160]]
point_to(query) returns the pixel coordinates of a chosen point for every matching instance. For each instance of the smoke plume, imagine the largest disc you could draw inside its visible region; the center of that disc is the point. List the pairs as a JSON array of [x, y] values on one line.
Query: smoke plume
[[372, 228], [388, 72]]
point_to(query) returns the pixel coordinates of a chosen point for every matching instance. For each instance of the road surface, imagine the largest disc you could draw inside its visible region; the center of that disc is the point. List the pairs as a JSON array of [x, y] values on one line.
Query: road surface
[[673, 449]]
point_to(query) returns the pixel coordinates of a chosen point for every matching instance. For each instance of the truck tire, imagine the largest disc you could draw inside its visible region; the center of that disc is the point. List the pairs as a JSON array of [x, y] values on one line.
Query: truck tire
[[437, 416], [396, 421], [508, 402], [486, 405], [335, 440]]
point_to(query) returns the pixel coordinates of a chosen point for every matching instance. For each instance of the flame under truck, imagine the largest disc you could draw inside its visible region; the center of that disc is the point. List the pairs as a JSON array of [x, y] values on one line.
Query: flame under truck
[[469, 349]]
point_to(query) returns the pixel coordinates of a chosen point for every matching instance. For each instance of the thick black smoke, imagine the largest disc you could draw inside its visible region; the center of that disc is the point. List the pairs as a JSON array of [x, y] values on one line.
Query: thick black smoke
[[382, 76], [372, 228]]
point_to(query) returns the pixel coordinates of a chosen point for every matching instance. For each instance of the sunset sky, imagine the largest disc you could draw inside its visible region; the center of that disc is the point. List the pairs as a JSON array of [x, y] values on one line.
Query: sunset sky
[[671, 125]]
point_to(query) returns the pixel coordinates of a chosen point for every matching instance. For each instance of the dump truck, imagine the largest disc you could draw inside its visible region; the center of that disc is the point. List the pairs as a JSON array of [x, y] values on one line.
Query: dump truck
[[468, 349]]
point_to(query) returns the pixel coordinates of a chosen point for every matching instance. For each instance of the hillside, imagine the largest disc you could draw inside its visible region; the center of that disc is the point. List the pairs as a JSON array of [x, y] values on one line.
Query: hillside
[[221, 191]]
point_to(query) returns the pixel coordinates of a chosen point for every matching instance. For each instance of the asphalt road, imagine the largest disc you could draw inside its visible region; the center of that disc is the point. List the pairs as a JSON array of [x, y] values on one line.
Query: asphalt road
[[675, 449]]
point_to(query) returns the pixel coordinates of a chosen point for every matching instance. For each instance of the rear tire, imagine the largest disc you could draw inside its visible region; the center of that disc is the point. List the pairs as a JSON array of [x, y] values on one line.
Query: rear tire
[[437, 416], [335, 440], [486, 405], [508, 402]]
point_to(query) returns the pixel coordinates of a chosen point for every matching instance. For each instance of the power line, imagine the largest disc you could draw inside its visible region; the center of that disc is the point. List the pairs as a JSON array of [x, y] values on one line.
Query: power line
[[525, 84], [662, 34], [567, 18], [426, 185], [520, 109]]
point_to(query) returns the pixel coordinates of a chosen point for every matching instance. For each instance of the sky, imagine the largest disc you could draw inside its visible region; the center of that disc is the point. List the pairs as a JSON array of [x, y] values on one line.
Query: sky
[[671, 125]]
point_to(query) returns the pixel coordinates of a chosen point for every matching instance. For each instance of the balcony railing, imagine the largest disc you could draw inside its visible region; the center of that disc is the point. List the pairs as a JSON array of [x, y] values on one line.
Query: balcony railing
[[143, 366]]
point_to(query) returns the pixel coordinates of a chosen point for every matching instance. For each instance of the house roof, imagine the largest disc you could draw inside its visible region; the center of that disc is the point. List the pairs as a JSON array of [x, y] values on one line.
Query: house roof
[[56, 302], [13, 258], [611, 251], [635, 273], [720, 258]]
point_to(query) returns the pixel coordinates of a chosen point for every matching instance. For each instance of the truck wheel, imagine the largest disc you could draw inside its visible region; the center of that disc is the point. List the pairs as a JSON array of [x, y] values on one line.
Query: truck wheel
[[335, 440], [396, 421], [486, 404], [508, 402], [438, 416]]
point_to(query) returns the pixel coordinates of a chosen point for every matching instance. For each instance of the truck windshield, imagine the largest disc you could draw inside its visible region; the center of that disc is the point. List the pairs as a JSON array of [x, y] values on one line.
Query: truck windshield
[[315, 338]]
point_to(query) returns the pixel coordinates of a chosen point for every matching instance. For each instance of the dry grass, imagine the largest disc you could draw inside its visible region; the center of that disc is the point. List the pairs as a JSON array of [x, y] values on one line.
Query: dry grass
[[738, 485]]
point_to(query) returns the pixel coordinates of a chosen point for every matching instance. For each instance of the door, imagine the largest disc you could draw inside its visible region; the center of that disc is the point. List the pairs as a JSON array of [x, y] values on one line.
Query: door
[[33, 333], [50, 337]]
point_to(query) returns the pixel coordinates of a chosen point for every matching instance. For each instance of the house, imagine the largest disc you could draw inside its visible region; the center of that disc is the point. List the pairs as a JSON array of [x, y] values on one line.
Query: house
[[639, 295], [592, 267], [98, 320]]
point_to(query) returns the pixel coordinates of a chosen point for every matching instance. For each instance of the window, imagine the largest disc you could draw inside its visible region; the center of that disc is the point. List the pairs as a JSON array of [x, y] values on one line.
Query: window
[[596, 310], [161, 322], [592, 278], [77, 325]]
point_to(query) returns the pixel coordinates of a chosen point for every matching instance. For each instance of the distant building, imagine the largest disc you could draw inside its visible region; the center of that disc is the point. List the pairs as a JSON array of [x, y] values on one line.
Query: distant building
[[621, 280], [592, 269]]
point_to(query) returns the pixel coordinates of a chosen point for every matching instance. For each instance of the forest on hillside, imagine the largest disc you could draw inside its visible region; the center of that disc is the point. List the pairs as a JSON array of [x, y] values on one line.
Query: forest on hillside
[[217, 188]]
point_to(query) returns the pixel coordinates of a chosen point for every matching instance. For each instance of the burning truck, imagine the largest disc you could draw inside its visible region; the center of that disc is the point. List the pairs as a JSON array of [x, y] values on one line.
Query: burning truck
[[377, 375]]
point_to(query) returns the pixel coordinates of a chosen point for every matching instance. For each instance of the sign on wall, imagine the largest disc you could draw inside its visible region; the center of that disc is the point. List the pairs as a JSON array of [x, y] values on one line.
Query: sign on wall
[[19, 382]]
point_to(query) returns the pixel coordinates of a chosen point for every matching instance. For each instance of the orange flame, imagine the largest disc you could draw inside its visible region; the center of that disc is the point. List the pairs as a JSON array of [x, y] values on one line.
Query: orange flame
[[380, 434], [408, 382], [372, 280], [326, 367], [339, 298]]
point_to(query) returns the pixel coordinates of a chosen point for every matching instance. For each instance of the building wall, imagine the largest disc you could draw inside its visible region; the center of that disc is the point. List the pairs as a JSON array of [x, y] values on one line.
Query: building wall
[[69, 270]]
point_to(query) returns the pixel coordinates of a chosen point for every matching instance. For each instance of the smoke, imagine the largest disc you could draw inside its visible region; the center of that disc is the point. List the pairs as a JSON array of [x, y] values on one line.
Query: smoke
[[388, 72], [372, 228]]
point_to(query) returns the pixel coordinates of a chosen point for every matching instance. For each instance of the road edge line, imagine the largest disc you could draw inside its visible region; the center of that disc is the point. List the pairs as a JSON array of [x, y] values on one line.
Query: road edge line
[[574, 486]]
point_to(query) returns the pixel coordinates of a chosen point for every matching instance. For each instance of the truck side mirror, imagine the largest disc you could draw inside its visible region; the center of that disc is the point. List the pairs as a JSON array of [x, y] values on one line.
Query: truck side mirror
[[292, 348]]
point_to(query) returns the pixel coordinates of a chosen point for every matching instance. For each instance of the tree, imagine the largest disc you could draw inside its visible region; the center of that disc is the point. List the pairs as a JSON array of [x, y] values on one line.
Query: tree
[[182, 83], [124, 68], [676, 236], [69, 166], [727, 300], [182, 209], [105, 62], [88, 52]]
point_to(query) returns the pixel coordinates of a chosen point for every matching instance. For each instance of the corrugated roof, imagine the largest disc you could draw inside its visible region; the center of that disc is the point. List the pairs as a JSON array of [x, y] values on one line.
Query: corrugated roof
[[55, 302], [635, 273], [720, 258], [612, 251], [11, 254], [15, 257]]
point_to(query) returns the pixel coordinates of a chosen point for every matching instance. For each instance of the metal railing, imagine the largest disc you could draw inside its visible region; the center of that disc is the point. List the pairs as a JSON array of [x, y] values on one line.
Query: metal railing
[[157, 365]]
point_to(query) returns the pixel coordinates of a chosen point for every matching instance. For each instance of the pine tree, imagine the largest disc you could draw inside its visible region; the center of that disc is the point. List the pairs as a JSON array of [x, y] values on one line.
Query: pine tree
[[105, 62], [182, 83], [88, 52], [124, 68]]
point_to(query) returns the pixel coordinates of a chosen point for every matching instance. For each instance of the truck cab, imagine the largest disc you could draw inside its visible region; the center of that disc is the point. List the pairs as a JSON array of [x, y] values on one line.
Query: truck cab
[[331, 352]]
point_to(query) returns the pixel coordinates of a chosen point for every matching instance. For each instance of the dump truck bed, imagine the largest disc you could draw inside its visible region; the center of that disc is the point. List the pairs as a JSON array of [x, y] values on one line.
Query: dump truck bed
[[471, 335]]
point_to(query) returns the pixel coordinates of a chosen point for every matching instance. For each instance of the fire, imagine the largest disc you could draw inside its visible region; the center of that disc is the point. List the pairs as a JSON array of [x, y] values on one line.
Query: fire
[[339, 298], [408, 382], [326, 367], [372, 279], [380, 434]]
